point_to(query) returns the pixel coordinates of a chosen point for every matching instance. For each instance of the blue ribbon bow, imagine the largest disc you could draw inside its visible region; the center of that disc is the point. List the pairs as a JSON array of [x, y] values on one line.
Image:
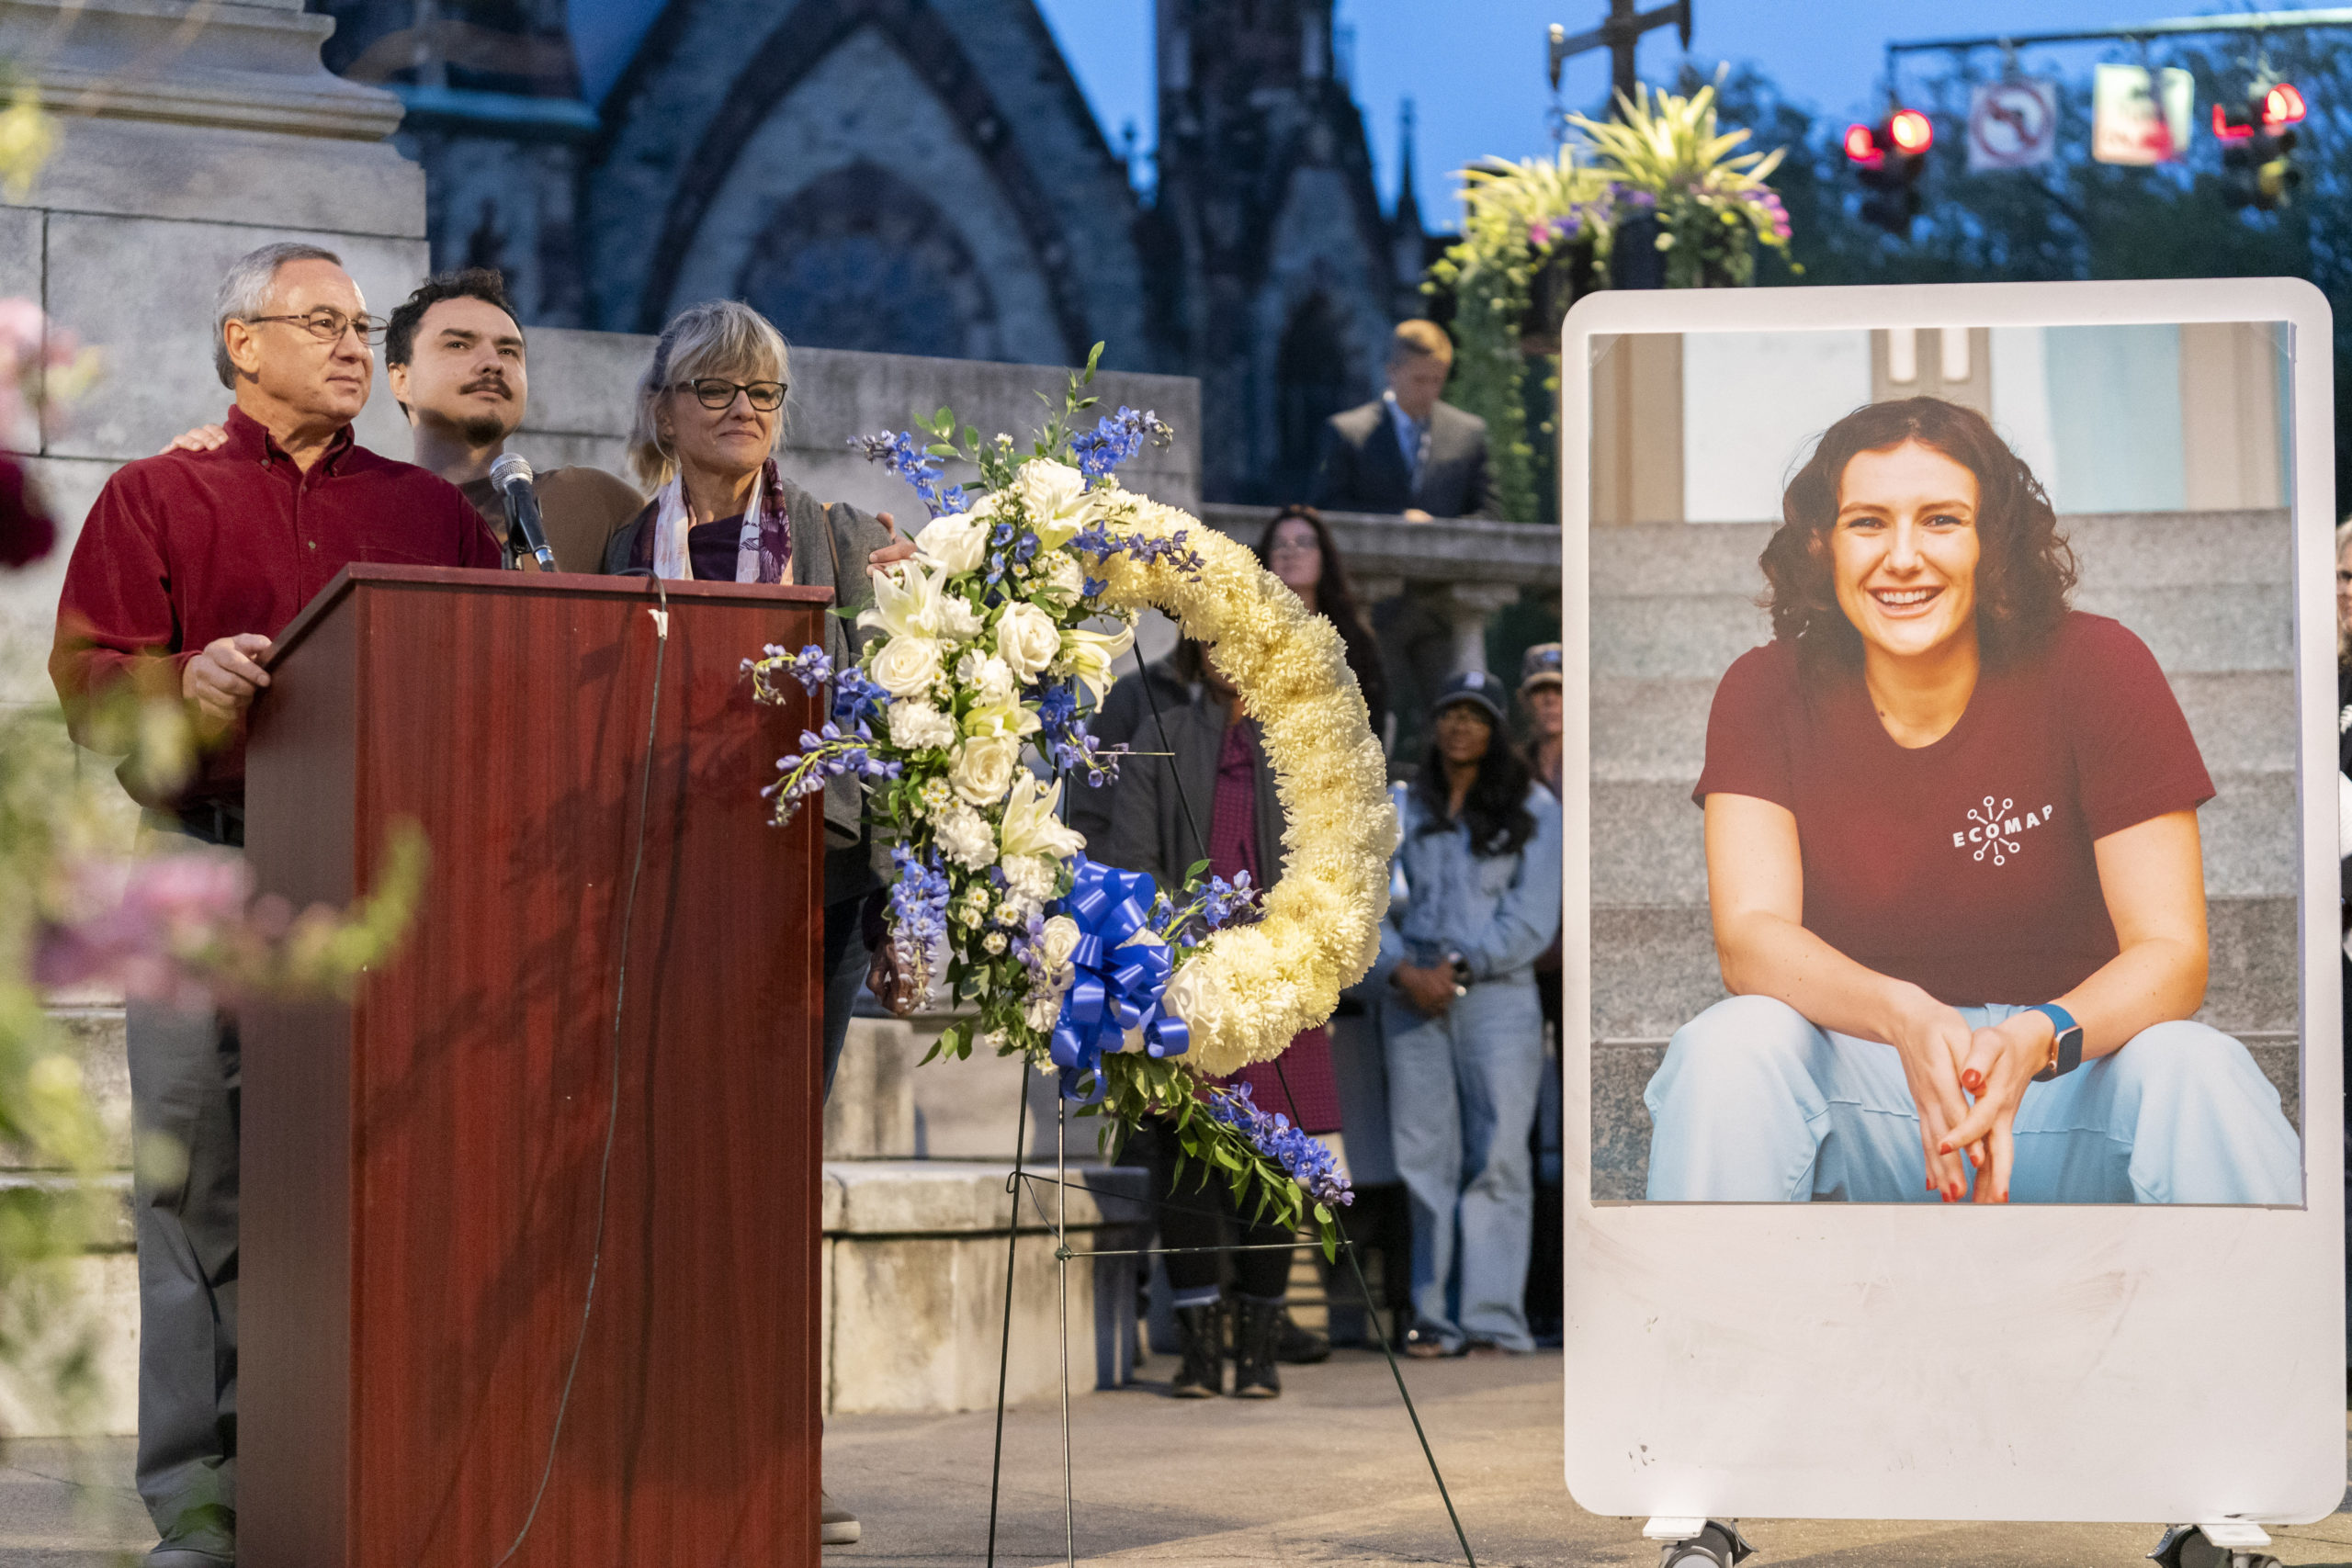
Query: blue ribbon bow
[[1117, 987]]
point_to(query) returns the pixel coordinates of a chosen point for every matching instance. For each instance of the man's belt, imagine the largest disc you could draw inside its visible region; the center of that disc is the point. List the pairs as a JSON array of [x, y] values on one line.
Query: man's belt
[[214, 822]]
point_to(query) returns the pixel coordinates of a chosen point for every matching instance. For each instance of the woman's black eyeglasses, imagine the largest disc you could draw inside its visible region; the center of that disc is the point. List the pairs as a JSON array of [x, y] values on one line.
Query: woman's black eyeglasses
[[715, 394]]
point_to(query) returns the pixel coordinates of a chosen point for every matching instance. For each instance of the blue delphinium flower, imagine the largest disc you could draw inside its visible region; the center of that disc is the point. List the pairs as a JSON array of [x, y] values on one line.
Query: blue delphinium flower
[[811, 666], [907, 458], [857, 701], [1309, 1163], [918, 909], [1223, 902], [1144, 549], [1117, 437]]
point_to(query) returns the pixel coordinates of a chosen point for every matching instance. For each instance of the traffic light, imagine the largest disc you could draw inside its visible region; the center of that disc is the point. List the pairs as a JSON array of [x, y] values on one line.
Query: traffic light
[[1889, 158], [2259, 145]]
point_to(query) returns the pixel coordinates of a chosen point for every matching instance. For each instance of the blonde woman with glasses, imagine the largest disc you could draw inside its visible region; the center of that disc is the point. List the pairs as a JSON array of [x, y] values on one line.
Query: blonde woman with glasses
[[710, 413]]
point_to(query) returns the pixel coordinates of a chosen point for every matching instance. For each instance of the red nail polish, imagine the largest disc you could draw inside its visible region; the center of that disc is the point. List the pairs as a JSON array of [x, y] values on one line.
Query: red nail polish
[[1943, 1148]]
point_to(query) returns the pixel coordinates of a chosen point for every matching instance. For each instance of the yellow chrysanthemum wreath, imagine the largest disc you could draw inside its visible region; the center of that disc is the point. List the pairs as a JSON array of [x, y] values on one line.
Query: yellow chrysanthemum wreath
[[1256, 987]]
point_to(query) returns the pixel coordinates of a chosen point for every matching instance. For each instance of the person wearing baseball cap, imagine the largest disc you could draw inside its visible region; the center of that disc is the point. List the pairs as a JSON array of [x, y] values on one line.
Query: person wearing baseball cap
[[1541, 694], [1479, 861]]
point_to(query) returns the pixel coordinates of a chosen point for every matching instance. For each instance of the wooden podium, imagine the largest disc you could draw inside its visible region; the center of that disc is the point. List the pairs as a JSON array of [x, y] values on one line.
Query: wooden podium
[[421, 1168]]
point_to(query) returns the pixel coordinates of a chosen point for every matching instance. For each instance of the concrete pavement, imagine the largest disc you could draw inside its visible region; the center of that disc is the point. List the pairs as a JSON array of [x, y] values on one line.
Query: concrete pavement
[[1328, 1474]]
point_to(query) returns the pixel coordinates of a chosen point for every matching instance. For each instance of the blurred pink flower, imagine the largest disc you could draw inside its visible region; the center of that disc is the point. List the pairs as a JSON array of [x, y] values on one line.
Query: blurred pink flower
[[146, 925]]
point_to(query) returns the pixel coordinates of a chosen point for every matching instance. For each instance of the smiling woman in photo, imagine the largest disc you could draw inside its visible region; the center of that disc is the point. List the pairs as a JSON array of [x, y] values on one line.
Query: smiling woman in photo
[[1953, 870]]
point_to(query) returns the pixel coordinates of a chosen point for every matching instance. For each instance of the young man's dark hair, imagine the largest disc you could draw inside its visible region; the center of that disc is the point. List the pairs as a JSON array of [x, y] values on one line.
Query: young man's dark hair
[[485, 284]]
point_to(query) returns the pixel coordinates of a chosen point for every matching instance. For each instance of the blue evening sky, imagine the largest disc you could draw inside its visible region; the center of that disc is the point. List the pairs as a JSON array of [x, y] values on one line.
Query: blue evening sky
[[1474, 68]]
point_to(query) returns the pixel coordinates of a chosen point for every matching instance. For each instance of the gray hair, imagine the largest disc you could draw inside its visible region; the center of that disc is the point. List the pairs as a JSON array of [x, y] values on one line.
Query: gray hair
[[245, 293], [722, 337]]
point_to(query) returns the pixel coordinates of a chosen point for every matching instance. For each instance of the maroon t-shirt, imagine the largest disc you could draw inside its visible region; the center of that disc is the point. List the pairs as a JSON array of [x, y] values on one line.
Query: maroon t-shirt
[[1965, 867]]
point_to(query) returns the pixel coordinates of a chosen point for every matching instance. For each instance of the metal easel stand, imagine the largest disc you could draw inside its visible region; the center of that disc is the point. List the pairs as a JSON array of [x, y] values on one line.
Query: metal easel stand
[[1696, 1544], [2229, 1544], [1021, 1180]]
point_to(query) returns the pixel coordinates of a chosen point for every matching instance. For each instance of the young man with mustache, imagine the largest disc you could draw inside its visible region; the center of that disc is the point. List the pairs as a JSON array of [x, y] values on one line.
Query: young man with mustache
[[454, 358]]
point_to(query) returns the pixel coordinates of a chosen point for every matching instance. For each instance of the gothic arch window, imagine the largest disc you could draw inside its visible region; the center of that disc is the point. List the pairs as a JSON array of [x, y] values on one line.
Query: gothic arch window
[[860, 259], [1312, 381]]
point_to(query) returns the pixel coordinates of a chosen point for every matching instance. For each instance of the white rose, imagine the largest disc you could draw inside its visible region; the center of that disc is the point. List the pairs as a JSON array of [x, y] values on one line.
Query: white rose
[[1031, 826], [963, 837], [1055, 496], [1026, 640], [906, 666], [1196, 995], [1059, 940], [1089, 655], [983, 769], [917, 726], [958, 541]]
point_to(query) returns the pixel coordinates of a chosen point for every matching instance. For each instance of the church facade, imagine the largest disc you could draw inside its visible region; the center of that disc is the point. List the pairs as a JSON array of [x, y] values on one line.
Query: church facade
[[925, 176]]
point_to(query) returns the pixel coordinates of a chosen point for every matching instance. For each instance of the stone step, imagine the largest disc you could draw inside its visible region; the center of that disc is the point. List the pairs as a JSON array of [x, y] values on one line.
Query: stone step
[[1653, 968], [2112, 551], [1620, 1123], [2216, 628], [1648, 842], [1658, 728]]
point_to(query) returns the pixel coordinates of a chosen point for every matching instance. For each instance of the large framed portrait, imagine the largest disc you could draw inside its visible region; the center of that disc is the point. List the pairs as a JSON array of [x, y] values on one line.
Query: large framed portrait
[[1952, 930]]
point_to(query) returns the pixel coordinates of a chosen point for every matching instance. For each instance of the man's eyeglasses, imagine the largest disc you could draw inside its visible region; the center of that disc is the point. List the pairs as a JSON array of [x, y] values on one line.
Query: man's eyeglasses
[[328, 326], [715, 394]]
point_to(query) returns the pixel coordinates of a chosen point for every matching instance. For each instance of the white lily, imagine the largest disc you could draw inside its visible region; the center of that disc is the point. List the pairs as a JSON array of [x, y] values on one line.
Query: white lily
[[906, 599], [1056, 499], [1030, 825], [1089, 656]]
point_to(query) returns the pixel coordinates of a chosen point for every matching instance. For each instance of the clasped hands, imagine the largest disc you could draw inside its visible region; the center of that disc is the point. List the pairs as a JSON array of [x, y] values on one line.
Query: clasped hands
[[1945, 1062]]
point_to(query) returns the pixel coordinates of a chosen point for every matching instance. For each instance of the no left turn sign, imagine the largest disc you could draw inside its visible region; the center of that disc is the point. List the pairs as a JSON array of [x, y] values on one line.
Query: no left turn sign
[[2012, 125]]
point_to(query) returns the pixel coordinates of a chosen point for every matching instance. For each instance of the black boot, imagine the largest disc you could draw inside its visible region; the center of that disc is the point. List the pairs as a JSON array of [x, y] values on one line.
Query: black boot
[[1299, 1346], [1200, 1342], [1254, 1338]]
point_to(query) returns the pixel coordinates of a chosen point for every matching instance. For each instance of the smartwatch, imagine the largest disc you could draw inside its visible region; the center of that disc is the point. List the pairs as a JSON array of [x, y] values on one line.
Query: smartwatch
[[2066, 1050]]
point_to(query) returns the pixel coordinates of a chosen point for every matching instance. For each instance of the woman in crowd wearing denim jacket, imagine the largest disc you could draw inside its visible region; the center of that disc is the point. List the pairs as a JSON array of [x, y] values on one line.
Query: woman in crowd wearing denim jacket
[[1953, 867], [1476, 898]]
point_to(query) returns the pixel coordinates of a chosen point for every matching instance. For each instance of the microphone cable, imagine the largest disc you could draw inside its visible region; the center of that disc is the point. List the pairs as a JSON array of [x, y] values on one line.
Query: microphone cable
[[613, 1095]]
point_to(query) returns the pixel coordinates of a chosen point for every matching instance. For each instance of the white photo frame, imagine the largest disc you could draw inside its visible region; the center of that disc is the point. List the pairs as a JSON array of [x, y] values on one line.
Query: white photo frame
[[2171, 1364]]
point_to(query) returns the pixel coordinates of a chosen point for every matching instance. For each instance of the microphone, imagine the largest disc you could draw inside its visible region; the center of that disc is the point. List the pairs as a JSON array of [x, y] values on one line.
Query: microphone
[[512, 475]]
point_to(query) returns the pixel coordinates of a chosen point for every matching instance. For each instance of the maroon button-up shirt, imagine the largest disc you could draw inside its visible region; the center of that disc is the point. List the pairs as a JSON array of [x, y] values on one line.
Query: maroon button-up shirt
[[187, 547]]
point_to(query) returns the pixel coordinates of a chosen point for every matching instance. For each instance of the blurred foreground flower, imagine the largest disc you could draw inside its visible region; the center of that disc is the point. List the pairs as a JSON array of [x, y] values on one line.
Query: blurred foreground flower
[[186, 929], [27, 136]]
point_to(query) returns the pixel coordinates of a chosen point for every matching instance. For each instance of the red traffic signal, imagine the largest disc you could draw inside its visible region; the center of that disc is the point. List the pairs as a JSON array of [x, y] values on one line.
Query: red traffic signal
[[1913, 132], [2282, 106], [1861, 145]]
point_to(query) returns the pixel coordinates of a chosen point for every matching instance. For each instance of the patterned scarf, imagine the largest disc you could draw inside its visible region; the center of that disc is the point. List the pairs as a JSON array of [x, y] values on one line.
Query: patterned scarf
[[763, 552]]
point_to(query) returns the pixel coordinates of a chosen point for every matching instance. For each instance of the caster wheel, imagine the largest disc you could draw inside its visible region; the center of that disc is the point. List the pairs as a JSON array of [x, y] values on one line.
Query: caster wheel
[[2186, 1546], [1717, 1546]]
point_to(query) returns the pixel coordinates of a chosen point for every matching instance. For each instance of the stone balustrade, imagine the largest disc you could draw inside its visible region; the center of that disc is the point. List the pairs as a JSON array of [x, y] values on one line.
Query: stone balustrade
[[1474, 567]]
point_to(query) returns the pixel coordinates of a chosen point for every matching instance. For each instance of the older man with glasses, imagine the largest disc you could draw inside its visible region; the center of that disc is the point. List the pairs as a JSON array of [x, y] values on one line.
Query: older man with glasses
[[190, 562]]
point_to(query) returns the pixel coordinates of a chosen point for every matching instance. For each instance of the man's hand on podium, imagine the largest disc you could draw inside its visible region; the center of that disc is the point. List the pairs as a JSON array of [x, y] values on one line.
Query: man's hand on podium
[[223, 680]]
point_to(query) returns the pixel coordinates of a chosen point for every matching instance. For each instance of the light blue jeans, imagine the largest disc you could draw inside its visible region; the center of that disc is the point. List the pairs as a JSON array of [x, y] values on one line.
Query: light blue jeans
[[1462, 1096], [1754, 1104]]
